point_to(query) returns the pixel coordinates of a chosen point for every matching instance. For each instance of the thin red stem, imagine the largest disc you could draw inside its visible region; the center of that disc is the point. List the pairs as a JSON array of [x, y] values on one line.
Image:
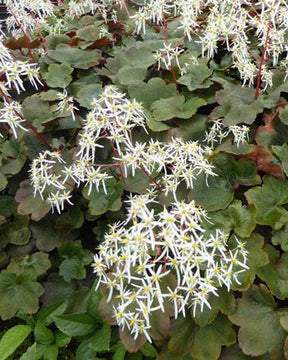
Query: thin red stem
[[262, 61], [30, 126]]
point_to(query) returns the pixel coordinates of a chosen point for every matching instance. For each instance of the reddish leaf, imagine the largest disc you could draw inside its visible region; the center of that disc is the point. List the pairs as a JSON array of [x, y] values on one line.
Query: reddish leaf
[[129, 342], [263, 159]]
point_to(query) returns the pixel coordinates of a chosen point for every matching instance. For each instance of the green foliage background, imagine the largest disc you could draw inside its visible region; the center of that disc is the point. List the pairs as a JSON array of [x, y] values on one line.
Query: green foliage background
[[48, 305]]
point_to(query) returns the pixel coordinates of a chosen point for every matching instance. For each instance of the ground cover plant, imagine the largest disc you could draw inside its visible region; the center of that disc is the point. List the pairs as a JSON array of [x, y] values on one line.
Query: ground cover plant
[[143, 180]]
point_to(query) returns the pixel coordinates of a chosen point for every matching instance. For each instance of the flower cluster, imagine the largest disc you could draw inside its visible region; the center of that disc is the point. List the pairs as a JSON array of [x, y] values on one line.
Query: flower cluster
[[152, 257], [112, 119], [161, 258], [218, 132], [226, 21]]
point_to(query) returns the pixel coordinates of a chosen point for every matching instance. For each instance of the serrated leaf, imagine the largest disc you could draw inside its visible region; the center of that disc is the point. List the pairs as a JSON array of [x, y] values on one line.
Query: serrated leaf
[[257, 310], [13, 338], [75, 324], [16, 232], [175, 107], [47, 314], [237, 105], [282, 153], [80, 59], [236, 217], [30, 354], [87, 94], [62, 340], [47, 352], [214, 194], [197, 76], [24, 291], [35, 265], [59, 75], [76, 258], [128, 75], [268, 200], [42, 334], [57, 289], [28, 204], [224, 302], [99, 202], [234, 353], [275, 273], [149, 350], [186, 337], [219, 333], [120, 352], [153, 90], [100, 341], [84, 351], [280, 237]]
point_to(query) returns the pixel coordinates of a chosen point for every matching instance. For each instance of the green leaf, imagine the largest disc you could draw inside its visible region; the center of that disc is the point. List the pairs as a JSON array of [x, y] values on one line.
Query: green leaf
[[59, 75], [80, 59], [37, 112], [237, 105], [87, 94], [90, 32], [213, 195], [257, 311], [224, 302], [267, 200], [219, 333], [84, 351], [47, 314], [280, 237], [17, 232], [234, 353], [76, 324], [186, 337], [62, 340], [35, 265], [100, 341], [257, 258], [47, 352], [236, 217], [8, 206], [197, 76], [76, 258], [241, 172], [282, 153], [128, 75], [283, 114], [24, 291], [28, 204], [149, 350], [30, 354], [120, 352], [275, 273], [175, 107], [99, 202], [14, 155], [42, 334], [153, 90], [13, 338], [57, 289]]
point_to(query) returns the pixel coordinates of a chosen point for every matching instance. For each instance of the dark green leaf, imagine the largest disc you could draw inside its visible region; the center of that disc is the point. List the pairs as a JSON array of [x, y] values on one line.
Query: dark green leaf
[[257, 310], [42, 334], [24, 291], [75, 324]]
